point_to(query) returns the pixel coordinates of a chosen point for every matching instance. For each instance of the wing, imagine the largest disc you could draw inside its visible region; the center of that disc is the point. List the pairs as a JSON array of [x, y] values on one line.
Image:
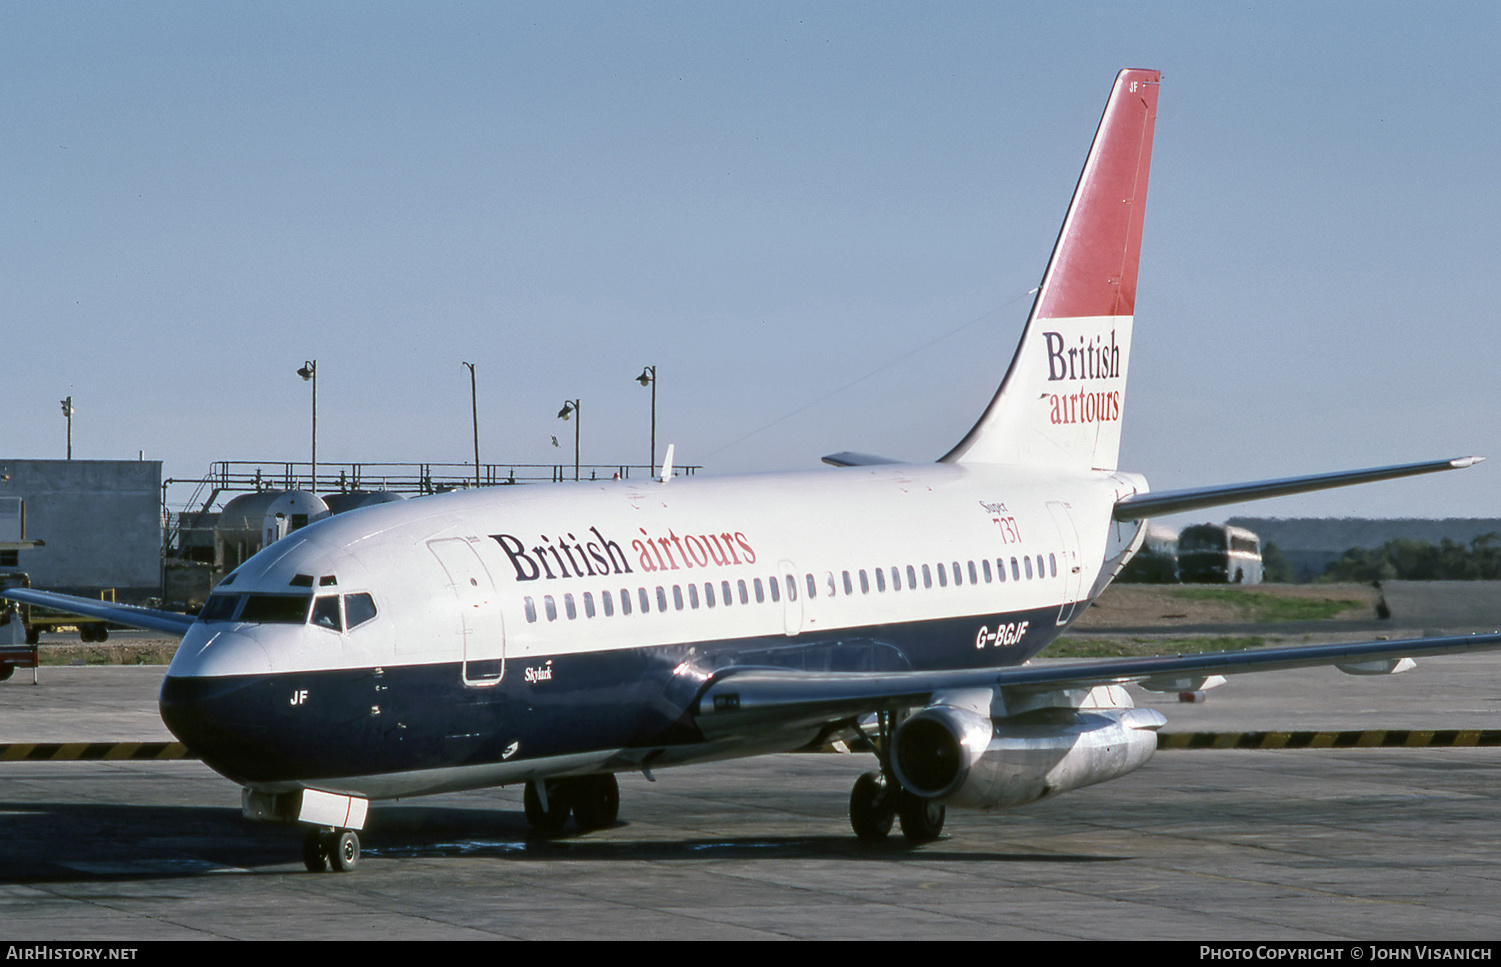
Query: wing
[[172, 622], [734, 699]]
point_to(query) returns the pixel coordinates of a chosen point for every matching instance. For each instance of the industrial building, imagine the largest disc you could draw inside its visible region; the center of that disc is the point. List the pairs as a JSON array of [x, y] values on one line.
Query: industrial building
[[97, 525]]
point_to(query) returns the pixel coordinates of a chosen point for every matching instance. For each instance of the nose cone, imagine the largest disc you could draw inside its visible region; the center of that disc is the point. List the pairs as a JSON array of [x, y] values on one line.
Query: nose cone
[[220, 650], [214, 698]]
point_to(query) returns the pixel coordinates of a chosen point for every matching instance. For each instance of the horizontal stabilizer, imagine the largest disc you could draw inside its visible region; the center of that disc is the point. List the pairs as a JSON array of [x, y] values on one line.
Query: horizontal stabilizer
[[1142, 506], [847, 458], [172, 622]]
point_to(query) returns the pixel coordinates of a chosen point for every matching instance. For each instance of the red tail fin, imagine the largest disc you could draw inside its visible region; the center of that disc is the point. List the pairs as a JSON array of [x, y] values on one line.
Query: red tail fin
[[1061, 401]]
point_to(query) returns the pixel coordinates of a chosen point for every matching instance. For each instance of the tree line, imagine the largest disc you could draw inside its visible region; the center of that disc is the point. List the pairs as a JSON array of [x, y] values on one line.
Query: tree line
[[1409, 560]]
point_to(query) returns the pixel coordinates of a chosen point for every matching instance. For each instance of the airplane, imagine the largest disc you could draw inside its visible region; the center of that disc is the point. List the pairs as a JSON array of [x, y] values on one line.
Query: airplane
[[559, 635]]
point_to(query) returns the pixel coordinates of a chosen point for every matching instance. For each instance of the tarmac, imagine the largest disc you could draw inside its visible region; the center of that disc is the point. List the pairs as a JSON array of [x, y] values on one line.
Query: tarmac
[[1213, 845]]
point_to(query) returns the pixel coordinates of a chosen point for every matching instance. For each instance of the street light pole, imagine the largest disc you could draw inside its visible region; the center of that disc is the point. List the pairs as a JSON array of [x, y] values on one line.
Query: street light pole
[[68, 412], [309, 373], [648, 377], [572, 407], [474, 408]]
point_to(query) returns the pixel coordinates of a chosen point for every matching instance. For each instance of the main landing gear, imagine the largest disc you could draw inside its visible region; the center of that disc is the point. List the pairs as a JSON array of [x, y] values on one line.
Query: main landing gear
[[325, 848], [878, 801], [593, 801]]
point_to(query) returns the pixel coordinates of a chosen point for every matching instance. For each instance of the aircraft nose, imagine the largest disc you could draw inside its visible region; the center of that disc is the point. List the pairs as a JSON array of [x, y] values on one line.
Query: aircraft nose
[[213, 700]]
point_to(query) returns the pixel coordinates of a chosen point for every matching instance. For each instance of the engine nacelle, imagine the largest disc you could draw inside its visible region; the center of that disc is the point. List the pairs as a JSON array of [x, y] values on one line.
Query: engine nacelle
[[962, 758]]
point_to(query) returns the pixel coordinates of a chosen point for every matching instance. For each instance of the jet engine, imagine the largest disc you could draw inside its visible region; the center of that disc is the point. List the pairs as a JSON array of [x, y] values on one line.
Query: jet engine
[[961, 757]]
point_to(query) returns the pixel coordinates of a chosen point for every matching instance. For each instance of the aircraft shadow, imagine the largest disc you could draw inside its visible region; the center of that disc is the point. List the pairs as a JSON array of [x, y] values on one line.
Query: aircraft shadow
[[63, 842]]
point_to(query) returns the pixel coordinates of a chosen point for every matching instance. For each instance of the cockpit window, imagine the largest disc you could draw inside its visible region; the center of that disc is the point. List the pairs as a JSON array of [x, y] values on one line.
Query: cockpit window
[[219, 607], [326, 613], [276, 608], [358, 608]]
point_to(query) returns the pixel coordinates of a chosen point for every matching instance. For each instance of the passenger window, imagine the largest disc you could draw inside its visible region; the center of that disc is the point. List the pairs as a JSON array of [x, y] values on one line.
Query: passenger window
[[896, 579], [1039, 566], [985, 566], [645, 601], [662, 599], [1028, 562], [625, 600], [527, 604], [927, 577], [326, 613], [792, 587], [360, 608], [760, 596], [1016, 574], [880, 579], [912, 577], [776, 589], [550, 606], [608, 601], [943, 578], [709, 593], [973, 578], [1052, 566], [1000, 569], [848, 587], [864, 582], [812, 588], [569, 608], [677, 597], [693, 596], [828, 581], [588, 604]]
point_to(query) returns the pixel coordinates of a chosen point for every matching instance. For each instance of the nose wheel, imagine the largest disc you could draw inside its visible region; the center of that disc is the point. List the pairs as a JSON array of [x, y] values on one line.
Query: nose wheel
[[325, 849]]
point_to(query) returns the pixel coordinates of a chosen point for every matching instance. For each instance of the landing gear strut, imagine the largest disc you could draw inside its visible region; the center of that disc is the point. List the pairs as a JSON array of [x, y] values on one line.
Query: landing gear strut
[[325, 849], [878, 801], [593, 801]]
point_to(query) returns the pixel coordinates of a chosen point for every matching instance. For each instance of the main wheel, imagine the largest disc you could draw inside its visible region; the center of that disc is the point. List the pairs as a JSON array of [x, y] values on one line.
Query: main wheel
[[872, 807], [922, 819], [596, 801], [5, 671], [549, 821]]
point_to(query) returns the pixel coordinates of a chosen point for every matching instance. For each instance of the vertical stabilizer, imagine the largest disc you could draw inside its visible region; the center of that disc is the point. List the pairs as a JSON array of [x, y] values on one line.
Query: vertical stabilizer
[[1061, 401]]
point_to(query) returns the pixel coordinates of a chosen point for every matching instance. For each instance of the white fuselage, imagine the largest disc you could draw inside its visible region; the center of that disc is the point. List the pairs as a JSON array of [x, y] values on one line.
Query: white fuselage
[[507, 599]]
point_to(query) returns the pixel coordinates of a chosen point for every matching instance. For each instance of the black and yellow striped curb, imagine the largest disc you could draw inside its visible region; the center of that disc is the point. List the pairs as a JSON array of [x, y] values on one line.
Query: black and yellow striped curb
[[1357, 739], [82, 751]]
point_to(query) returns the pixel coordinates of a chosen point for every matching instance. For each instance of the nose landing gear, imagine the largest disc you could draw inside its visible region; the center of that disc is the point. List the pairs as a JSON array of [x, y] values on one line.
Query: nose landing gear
[[325, 849]]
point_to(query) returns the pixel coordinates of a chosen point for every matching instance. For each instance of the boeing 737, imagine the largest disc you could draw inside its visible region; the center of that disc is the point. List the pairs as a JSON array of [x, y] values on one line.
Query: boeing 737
[[559, 635]]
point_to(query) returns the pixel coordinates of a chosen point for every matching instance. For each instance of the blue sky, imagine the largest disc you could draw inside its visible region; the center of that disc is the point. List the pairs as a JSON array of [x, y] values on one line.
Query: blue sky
[[767, 201]]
